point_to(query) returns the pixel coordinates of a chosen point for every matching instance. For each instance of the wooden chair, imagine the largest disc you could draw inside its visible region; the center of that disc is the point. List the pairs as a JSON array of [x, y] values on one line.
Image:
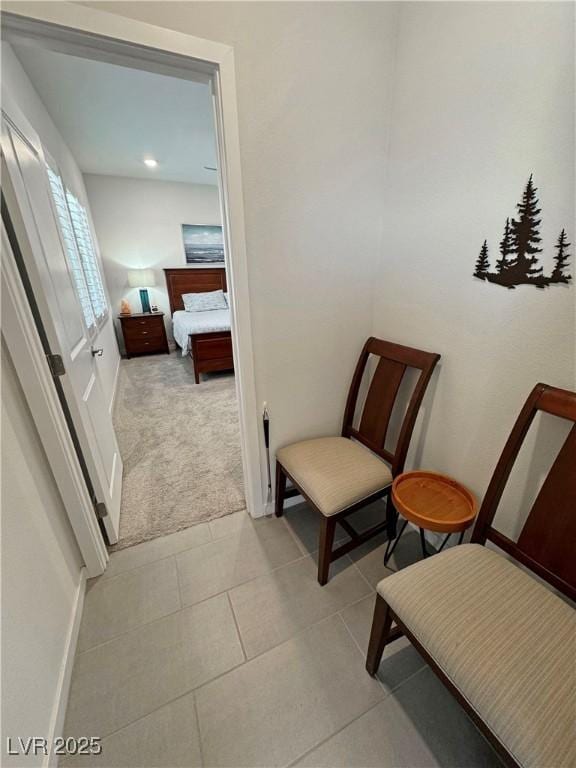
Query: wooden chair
[[340, 475], [502, 642]]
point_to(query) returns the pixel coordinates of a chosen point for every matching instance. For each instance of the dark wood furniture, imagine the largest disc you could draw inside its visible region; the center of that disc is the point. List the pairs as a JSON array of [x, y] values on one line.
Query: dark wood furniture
[[433, 502], [144, 333], [208, 351], [545, 546], [371, 431]]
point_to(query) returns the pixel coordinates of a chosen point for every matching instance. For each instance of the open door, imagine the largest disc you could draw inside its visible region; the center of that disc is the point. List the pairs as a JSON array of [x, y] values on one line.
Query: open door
[[56, 291]]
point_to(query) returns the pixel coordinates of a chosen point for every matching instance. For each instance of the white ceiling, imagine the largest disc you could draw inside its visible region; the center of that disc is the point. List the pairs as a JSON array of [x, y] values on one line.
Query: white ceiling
[[112, 117]]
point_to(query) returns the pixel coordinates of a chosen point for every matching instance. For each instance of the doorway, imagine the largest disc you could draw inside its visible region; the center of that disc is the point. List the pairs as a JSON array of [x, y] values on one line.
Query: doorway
[[165, 372]]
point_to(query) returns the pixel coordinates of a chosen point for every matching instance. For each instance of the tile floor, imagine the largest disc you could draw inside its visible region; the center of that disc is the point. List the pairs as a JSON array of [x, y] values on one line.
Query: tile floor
[[217, 647]]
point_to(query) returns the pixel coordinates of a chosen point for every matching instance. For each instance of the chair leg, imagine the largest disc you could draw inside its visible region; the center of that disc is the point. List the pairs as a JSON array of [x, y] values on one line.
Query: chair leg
[[280, 490], [327, 529], [381, 624]]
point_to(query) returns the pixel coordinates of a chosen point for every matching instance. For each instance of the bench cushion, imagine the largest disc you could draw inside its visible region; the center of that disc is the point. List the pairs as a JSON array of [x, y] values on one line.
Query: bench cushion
[[334, 472], [504, 640]]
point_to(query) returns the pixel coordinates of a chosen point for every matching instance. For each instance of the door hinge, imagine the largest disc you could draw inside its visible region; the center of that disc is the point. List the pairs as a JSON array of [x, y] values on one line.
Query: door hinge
[[101, 510], [56, 365]]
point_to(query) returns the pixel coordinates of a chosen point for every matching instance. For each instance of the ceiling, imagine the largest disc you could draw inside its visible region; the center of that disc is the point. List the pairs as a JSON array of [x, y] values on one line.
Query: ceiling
[[112, 117]]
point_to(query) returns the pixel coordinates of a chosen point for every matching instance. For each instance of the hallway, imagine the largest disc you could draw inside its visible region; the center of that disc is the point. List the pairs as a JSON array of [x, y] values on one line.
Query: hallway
[[216, 646]]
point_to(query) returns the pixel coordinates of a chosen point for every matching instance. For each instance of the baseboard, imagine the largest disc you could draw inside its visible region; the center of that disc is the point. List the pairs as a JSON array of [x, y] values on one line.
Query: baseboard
[[292, 501], [63, 690], [115, 387]]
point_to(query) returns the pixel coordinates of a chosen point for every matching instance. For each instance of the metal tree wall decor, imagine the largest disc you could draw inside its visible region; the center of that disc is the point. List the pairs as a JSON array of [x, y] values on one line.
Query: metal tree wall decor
[[519, 249]]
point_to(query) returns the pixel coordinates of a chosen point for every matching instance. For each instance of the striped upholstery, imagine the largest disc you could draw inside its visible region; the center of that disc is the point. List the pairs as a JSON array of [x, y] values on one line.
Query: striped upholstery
[[505, 641], [334, 472]]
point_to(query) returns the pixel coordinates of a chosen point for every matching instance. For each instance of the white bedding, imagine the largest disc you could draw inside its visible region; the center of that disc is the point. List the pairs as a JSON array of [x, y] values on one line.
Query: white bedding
[[185, 323]]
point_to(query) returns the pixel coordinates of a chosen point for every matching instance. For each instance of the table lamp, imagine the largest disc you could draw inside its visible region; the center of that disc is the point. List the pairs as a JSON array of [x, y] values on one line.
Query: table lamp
[[143, 279]]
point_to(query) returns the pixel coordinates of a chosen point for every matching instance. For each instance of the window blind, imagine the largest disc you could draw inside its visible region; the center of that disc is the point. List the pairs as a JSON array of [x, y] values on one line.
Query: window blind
[[87, 250], [71, 248]]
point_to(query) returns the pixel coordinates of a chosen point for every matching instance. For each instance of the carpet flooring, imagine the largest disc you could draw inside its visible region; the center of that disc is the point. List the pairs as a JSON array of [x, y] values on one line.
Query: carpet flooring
[[180, 445]]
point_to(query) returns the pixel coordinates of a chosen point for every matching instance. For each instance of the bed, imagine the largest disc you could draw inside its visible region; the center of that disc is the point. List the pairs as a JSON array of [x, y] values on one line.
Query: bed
[[204, 336]]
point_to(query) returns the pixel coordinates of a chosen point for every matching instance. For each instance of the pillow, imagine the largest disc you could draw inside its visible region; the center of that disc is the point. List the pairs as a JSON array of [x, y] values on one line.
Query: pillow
[[226, 299], [202, 302]]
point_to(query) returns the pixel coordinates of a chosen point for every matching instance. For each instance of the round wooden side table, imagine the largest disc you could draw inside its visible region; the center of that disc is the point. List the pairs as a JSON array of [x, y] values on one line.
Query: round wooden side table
[[433, 502]]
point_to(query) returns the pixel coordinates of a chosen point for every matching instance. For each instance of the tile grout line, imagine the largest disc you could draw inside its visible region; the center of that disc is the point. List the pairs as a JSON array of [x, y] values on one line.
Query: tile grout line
[[300, 544], [174, 533], [332, 735], [178, 583], [354, 563], [103, 577], [212, 540], [197, 717], [186, 606], [290, 637], [387, 691], [135, 628], [188, 692], [108, 579], [237, 626], [356, 644], [295, 538], [194, 690], [355, 602], [409, 678], [225, 591]]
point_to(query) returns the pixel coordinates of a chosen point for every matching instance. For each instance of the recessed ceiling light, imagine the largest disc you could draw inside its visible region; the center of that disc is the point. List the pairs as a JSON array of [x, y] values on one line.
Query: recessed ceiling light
[[150, 162]]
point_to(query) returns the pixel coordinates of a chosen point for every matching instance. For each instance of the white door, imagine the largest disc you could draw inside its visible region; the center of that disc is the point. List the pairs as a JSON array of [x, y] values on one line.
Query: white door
[[31, 208]]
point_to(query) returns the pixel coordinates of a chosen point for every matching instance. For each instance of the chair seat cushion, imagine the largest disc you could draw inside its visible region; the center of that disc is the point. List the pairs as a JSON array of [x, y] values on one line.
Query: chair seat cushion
[[334, 472], [505, 641]]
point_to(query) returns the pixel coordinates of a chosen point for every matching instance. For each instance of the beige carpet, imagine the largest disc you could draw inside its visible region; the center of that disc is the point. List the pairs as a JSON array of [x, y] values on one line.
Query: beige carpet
[[180, 446]]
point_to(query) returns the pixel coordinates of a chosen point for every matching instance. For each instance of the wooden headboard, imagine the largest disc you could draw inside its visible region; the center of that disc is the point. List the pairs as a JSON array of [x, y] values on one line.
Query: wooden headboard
[[181, 280]]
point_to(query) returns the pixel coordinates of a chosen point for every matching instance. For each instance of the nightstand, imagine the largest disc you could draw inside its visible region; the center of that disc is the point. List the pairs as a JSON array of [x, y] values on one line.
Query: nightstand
[[144, 333]]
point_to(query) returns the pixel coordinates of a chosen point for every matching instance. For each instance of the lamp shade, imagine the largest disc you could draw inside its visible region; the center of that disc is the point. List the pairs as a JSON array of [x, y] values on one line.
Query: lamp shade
[[141, 278]]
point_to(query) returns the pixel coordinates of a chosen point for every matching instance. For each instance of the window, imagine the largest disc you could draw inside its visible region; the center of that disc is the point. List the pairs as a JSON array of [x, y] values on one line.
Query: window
[[80, 252], [88, 256]]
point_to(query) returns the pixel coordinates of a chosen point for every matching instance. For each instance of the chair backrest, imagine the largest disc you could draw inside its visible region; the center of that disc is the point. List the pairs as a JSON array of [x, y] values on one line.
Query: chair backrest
[[547, 542], [381, 396]]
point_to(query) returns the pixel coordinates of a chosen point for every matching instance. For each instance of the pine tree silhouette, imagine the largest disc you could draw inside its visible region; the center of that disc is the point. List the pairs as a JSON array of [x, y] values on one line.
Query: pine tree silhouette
[[482, 263], [506, 249], [561, 260], [526, 234], [519, 249]]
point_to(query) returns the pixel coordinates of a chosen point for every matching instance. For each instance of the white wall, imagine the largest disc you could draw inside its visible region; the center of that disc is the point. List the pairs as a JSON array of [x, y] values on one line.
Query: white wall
[[311, 82], [139, 224], [15, 80], [40, 575], [483, 96]]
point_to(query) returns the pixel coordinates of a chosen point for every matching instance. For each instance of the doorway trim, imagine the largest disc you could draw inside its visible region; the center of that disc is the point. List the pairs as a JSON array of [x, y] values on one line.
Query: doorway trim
[[67, 27], [23, 341]]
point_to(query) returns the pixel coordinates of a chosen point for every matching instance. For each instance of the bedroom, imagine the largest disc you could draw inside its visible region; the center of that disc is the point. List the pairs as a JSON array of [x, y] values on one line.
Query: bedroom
[[150, 184]]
